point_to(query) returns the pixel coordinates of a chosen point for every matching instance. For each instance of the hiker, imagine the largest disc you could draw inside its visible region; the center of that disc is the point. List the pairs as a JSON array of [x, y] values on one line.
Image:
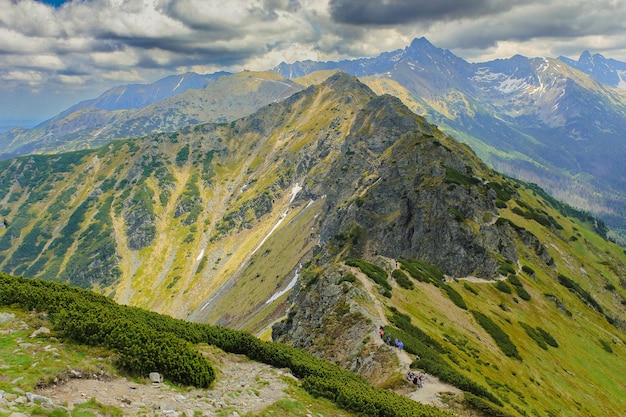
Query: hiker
[[389, 339], [400, 345], [416, 381], [381, 331], [395, 342], [420, 378], [410, 376]]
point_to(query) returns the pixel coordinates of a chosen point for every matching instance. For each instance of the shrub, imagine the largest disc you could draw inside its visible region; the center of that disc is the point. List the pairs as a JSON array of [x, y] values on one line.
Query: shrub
[[483, 406], [454, 296], [455, 177], [402, 279], [422, 271], [506, 268], [530, 331], [470, 288], [375, 272], [606, 346], [547, 337], [519, 288], [504, 287], [580, 292], [499, 336]]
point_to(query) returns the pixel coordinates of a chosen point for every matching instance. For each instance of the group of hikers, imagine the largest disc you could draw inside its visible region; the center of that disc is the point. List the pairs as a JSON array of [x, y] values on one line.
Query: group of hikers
[[416, 378], [397, 343]]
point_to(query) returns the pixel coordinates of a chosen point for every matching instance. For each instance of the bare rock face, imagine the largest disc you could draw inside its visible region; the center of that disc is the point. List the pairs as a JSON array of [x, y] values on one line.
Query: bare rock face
[[330, 321], [409, 194]]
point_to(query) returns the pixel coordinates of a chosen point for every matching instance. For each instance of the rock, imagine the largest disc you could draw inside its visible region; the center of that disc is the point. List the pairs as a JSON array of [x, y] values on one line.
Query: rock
[[6, 317], [156, 377], [21, 400], [17, 414], [9, 397], [41, 330], [36, 398]]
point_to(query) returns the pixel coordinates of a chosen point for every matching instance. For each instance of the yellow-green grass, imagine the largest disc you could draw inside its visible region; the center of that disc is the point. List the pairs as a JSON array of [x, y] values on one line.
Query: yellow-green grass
[[580, 377], [270, 269]]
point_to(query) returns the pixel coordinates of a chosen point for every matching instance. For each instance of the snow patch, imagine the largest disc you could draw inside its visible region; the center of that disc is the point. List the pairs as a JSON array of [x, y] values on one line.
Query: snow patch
[[291, 284], [622, 79], [504, 83], [294, 191], [179, 83]]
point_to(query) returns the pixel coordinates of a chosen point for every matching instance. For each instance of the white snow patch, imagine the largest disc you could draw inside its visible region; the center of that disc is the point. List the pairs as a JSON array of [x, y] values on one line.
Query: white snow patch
[[179, 83], [294, 191], [120, 95], [622, 79], [201, 255], [291, 284], [505, 83]]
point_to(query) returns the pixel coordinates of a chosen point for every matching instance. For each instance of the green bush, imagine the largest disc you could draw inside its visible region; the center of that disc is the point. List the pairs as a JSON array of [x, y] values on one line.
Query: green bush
[[454, 296], [375, 272], [506, 268], [519, 287], [580, 292], [530, 331], [504, 287], [422, 271], [483, 406], [470, 288], [547, 337], [455, 177], [402, 279], [499, 336]]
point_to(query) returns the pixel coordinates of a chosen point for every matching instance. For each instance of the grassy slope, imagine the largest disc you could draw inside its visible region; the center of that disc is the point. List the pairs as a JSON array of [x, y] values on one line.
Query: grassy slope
[[578, 378]]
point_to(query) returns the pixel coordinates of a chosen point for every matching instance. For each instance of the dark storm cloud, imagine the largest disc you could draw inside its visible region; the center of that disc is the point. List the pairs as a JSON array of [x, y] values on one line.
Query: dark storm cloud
[[49, 46], [390, 12]]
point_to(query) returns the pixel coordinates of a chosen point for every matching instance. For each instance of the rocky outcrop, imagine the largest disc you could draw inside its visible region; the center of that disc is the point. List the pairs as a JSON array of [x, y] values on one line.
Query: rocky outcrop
[[330, 320], [414, 195]]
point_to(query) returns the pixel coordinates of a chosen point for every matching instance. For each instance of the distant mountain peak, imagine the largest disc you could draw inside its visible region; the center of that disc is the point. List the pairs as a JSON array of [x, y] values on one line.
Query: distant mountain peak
[[421, 43], [607, 71], [585, 57]]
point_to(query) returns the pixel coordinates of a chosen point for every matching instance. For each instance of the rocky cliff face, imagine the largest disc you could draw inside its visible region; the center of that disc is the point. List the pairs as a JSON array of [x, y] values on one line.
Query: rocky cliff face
[[411, 192]]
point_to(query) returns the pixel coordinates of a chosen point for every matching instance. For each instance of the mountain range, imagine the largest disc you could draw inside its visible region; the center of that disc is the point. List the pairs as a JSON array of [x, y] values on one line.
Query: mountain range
[[536, 119], [558, 123], [323, 216]]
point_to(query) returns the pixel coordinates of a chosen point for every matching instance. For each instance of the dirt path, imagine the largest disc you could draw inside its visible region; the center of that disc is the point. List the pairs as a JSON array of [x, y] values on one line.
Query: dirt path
[[433, 387], [243, 385], [431, 390]]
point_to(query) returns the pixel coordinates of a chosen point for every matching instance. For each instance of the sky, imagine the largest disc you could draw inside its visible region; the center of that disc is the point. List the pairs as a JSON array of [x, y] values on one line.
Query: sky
[[54, 54]]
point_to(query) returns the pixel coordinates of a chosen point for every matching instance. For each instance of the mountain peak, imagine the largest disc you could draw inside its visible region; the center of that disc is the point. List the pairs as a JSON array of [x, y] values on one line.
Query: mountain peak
[[585, 57], [344, 82], [421, 43]]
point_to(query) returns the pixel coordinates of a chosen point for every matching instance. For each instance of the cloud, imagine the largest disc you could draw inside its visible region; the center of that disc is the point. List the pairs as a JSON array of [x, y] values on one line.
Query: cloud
[[83, 47], [392, 12]]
